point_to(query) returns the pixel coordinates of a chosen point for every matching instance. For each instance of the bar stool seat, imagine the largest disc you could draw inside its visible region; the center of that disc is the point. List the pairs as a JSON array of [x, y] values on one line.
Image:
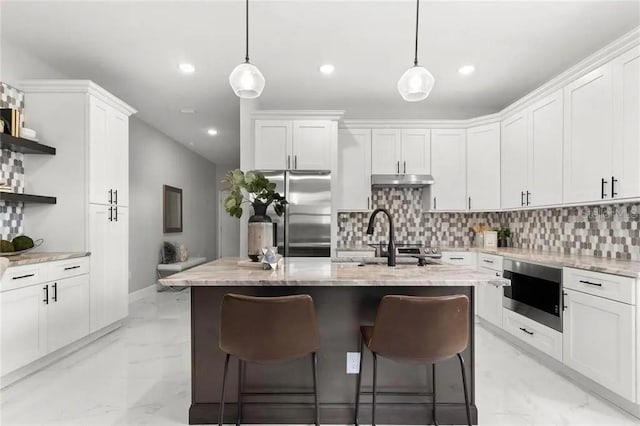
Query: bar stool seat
[[268, 330], [417, 330]]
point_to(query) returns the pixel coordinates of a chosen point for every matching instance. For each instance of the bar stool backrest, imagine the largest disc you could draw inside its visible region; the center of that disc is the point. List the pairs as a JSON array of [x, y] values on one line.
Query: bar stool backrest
[[268, 329], [421, 329]]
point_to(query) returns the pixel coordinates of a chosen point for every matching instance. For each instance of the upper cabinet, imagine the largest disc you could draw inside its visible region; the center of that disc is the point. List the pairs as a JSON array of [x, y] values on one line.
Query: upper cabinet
[[448, 152], [395, 151], [293, 144], [531, 155], [483, 167], [354, 169], [588, 127]]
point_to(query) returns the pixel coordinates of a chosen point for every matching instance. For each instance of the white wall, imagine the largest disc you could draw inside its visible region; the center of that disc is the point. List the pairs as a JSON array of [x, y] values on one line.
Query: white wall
[[156, 160], [18, 64]]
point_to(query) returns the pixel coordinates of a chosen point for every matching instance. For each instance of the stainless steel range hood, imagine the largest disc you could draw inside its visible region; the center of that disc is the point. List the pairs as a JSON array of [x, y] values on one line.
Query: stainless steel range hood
[[401, 181]]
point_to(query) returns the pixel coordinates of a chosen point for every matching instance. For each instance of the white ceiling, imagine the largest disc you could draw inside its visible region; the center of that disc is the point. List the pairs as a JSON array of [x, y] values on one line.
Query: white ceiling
[[133, 49]]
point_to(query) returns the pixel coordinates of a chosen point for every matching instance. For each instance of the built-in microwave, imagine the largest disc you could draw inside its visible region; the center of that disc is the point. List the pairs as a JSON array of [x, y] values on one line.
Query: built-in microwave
[[535, 292]]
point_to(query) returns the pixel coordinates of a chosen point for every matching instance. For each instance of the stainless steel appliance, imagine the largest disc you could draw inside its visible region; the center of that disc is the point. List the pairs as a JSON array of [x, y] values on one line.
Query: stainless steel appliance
[[408, 250], [535, 292], [305, 228]]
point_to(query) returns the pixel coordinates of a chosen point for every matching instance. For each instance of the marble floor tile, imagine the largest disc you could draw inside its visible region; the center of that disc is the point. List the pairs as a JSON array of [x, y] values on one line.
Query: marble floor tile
[[139, 375]]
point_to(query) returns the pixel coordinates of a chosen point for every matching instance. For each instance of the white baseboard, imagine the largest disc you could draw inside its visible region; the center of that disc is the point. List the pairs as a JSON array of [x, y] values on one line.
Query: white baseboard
[[142, 293]]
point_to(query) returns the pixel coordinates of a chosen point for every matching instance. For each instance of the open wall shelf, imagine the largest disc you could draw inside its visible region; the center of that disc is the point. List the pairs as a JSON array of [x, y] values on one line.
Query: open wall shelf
[[26, 198], [24, 146]]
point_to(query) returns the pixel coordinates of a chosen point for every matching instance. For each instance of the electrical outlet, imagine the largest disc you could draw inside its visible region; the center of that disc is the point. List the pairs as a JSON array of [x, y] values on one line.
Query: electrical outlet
[[353, 362]]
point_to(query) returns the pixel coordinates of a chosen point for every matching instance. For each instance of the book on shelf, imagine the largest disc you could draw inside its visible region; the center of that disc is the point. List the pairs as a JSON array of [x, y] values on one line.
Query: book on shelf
[[11, 118]]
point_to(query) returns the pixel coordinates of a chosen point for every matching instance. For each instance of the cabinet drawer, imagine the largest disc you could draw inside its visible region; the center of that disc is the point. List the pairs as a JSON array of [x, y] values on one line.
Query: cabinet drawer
[[465, 258], [539, 336], [490, 261], [22, 276], [612, 287], [68, 268]]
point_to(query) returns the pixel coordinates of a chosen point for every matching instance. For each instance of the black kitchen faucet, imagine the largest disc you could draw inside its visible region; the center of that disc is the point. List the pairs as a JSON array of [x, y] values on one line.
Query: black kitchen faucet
[[391, 248]]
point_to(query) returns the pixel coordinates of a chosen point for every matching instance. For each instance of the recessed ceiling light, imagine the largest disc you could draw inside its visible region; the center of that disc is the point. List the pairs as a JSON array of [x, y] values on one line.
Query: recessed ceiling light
[[212, 132], [327, 69], [186, 68], [188, 111], [466, 69]]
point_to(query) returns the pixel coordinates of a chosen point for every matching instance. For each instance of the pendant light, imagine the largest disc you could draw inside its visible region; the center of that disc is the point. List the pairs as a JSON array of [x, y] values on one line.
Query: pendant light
[[416, 82], [246, 80]]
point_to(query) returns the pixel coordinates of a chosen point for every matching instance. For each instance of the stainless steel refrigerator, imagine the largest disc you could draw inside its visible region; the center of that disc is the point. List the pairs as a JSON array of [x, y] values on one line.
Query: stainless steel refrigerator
[[304, 230]]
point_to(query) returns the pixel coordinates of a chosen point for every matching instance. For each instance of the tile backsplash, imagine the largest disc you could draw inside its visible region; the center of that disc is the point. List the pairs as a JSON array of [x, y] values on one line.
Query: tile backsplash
[[11, 170], [605, 231]]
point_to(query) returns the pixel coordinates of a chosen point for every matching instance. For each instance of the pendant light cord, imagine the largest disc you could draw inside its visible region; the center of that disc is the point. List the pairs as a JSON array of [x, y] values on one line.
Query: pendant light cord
[[415, 58], [246, 56]]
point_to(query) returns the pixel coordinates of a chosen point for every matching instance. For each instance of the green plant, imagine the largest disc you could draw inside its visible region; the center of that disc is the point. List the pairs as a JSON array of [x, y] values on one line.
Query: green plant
[[250, 187], [504, 233]]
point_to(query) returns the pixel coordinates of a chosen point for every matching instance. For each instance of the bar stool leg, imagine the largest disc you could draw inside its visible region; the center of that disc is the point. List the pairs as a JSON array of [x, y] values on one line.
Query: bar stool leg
[[224, 380], [464, 384], [433, 401], [375, 377], [314, 358], [240, 386], [358, 384]]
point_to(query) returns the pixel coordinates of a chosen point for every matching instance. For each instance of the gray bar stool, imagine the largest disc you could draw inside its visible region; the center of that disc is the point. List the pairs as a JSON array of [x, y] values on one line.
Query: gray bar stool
[[417, 330], [267, 330]]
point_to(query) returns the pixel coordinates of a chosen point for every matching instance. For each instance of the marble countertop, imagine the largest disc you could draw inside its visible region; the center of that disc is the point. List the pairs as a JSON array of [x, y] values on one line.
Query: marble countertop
[[41, 257], [323, 272]]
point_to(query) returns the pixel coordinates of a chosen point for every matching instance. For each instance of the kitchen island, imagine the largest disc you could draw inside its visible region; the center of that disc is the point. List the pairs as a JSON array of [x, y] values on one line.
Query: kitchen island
[[345, 295]]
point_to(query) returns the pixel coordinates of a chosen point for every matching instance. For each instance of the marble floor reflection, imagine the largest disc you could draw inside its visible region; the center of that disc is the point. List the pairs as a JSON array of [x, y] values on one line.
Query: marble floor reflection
[[139, 375]]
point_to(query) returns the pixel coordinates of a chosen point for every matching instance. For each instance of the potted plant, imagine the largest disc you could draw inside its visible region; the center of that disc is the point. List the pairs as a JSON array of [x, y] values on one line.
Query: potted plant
[[504, 237], [253, 188]]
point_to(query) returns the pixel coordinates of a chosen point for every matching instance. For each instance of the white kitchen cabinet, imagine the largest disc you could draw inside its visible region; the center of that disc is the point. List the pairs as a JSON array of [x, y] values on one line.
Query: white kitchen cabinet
[[293, 144], [545, 151], [514, 159], [539, 336], [588, 136], [119, 156], [448, 161], [489, 296], [109, 264], [599, 341], [273, 139], [462, 258], [67, 311], [354, 169], [385, 151], [626, 104], [395, 151], [24, 326], [483, 167]]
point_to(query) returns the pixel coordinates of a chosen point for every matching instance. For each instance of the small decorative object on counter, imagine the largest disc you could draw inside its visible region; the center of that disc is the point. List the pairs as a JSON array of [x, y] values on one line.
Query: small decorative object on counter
[[504, 237], [490, 239], [271, 259], [256, 189], [19, 245], [478, 234]]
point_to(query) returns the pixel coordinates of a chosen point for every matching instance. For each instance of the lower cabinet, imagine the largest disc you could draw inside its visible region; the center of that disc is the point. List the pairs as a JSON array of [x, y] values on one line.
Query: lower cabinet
[[541, 337], [67, 312], [599, 341], [490, 304], [24, 326]]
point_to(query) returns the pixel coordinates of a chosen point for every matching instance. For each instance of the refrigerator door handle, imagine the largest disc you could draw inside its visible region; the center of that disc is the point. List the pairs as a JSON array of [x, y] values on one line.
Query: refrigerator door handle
[[287, 188]]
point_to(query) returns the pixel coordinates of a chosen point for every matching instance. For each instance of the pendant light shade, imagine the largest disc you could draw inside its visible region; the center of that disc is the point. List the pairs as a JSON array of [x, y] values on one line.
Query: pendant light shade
[[246, 80], [416, 82]]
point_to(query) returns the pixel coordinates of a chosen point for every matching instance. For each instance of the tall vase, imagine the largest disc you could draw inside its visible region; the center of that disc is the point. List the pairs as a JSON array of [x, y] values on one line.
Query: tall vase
[[260, 232]]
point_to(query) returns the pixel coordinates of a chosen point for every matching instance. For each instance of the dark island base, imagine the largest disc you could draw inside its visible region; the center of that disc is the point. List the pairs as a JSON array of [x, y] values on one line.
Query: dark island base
[[341, 310]]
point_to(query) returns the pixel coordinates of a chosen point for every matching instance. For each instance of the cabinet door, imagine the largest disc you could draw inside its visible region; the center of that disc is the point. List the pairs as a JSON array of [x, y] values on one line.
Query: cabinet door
[[311, 145], [626, 77], [273, 145], [99, 246], [354, 169], [24, 326], [100, 167], [385, 152], [118, 131], [483, 167], [545, 151], [415, 150], [588, 135], [599, 341], [448, 161], [513, 161], [118, 260], [68, 311]]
